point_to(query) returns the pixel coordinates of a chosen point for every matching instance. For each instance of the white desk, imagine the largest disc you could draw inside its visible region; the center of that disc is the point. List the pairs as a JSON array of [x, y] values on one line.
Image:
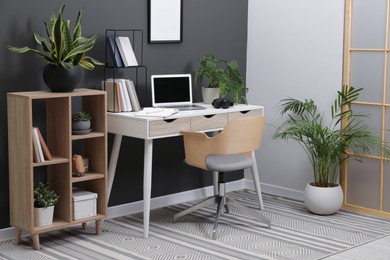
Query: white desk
[[149, 128]]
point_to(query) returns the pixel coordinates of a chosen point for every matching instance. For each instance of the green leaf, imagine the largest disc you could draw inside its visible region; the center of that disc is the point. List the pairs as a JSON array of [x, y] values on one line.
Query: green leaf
[[57, 36], [67, 38], [62, 47], [77, 26]]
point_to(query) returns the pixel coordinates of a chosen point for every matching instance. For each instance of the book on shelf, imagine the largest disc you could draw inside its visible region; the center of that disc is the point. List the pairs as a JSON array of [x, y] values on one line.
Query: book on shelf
[[133, 95], [38, 157], [121, 95], [118, 98], [125, 98], [126, 51], [114, 56], [122, 98], [46, 152], [112, 89]]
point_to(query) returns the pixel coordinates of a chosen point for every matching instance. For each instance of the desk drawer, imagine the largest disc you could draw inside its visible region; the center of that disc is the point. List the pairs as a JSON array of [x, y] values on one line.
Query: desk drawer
[[169, 126], [246, 113], [199, 123]]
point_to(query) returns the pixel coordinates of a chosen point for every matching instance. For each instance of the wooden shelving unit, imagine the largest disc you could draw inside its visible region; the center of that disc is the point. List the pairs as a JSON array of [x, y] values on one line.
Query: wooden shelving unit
[[62, 144]]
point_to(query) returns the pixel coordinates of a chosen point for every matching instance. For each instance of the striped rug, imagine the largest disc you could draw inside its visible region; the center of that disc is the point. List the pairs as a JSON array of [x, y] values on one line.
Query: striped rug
[[295, 234]]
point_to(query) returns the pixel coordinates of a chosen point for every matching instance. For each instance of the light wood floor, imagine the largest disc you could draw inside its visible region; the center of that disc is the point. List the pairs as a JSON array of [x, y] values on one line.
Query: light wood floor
[[375, 250]]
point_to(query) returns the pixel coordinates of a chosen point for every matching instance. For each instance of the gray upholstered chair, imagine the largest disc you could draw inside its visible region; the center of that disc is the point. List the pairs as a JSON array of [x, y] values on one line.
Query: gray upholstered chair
[[230, 150]]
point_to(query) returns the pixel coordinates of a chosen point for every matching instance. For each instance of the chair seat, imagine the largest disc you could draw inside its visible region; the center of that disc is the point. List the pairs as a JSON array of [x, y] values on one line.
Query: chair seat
[[227, 162]]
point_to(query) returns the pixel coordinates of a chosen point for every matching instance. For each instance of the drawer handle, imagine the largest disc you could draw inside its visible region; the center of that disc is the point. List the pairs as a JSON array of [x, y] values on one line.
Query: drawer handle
[[244, 112], [169, 120], [209, 116]]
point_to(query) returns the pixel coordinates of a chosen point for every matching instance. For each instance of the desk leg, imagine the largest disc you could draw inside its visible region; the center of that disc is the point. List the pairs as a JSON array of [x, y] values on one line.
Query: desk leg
[[148, 156], [256, 180], [113, 162], [215, 173]]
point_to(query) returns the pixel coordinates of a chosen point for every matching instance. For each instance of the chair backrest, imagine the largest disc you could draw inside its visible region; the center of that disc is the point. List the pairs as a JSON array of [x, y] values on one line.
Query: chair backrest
[[242, 135]]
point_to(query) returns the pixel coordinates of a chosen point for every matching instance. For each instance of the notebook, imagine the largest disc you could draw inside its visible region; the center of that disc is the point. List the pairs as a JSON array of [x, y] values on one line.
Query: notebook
[[173, 91]]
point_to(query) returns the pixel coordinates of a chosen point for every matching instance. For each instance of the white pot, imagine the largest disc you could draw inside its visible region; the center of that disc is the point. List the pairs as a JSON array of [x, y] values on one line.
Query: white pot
[[209, 94], [323, 200], [43, 216]]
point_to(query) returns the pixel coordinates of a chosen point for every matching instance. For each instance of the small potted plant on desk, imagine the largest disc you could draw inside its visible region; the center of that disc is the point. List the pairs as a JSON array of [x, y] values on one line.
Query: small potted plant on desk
[[81, 123], [328, 145], [44, 201], [224, 79]]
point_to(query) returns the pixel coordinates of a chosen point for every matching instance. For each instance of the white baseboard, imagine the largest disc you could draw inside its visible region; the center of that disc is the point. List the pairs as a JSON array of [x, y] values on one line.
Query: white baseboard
[[172, 199], [276, 190]]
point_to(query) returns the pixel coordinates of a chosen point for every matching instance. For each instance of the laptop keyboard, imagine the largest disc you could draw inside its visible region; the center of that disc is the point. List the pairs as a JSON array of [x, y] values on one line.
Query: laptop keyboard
[[184, 107]]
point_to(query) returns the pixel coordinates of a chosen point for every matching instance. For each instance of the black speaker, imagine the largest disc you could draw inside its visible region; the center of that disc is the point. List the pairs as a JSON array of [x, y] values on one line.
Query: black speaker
[[222, 103]]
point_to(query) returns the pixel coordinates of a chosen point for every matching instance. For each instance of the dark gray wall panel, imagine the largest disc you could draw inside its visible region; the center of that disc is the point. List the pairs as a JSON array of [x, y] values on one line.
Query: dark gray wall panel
[[217, 26]]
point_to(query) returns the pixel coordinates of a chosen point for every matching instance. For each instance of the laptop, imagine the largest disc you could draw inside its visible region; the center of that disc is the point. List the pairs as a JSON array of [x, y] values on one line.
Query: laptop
[[173, 91]]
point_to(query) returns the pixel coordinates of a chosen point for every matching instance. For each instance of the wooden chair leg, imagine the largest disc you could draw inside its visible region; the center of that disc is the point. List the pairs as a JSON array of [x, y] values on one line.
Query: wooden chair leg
[[84, 225]]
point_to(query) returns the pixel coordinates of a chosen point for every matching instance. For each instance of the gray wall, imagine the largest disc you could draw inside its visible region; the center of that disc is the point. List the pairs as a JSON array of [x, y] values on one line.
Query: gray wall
[[218, 26]]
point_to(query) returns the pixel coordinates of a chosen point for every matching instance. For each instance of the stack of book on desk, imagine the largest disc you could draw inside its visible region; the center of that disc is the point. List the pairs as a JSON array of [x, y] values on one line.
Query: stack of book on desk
[[121, 95]]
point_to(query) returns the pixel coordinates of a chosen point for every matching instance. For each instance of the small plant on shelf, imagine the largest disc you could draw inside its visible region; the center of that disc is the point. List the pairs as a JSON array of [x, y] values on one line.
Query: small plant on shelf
[[81, 122], [81, 116], [44, 197]]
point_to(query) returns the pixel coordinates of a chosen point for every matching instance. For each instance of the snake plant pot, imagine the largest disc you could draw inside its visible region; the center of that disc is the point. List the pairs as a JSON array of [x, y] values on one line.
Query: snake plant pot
[[43, 216], [61, 80], [323, 200], [209, 94]]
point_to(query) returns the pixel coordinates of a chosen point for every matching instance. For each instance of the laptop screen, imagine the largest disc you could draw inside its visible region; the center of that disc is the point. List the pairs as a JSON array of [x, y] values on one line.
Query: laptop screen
[[174, 89]]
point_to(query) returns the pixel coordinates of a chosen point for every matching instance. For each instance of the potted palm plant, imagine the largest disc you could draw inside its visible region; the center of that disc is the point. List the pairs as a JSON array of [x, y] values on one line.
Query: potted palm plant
[[328, 145], [65, 52], [44, 201], [223, 77]]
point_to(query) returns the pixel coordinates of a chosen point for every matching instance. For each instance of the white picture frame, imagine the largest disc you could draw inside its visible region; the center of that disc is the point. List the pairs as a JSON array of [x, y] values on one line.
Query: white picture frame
[[165, 21]]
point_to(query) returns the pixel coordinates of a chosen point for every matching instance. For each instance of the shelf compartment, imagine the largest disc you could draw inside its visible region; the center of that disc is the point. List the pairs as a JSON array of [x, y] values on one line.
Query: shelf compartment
[[55, 160], [87, 177], [86, 136], [57, 224]]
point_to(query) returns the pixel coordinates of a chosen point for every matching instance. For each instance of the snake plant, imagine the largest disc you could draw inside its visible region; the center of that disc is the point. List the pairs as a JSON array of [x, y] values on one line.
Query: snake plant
[[63, 48]]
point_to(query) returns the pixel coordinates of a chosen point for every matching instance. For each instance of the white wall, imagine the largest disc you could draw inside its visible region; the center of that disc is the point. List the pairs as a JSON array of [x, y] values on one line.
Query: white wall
[[294, 50]]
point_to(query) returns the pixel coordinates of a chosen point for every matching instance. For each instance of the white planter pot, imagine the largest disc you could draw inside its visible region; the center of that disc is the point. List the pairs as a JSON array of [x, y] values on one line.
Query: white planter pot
[[323, 200], [43, 216], [209, 94]]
